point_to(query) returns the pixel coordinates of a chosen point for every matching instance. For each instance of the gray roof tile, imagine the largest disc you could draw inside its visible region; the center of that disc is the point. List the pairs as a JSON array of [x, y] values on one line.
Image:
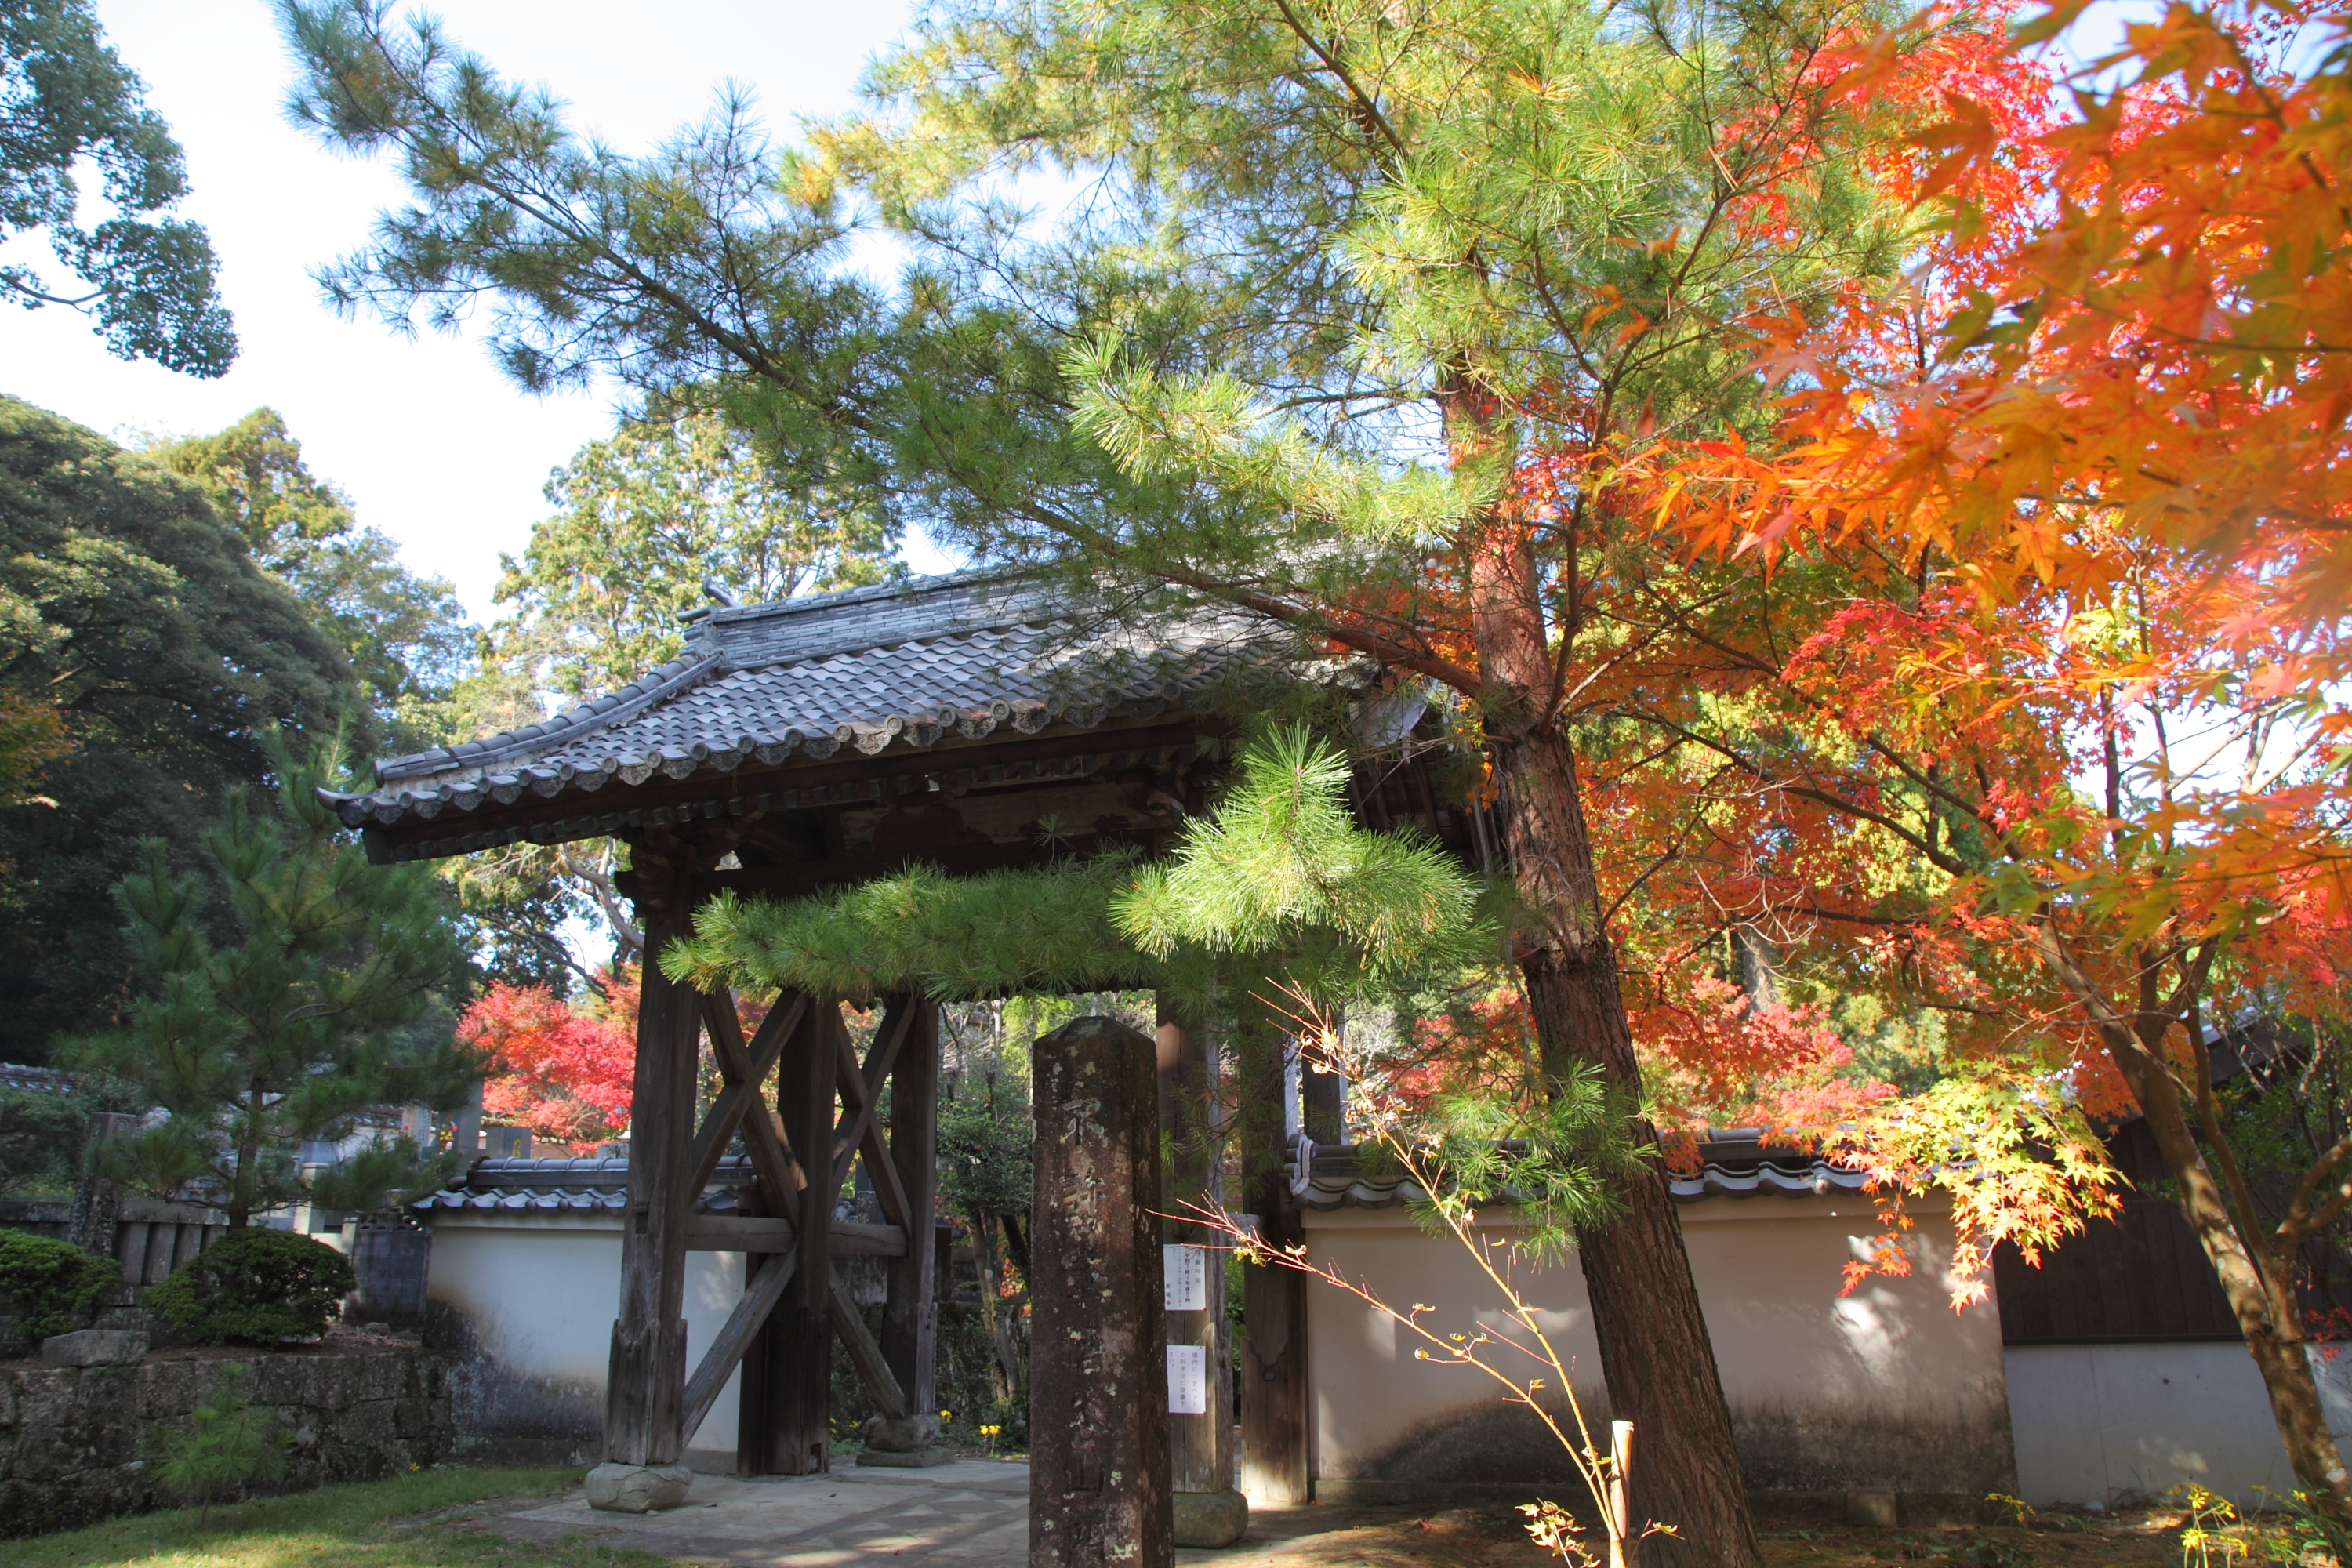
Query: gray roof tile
[[1324, 1178], [869, 669]]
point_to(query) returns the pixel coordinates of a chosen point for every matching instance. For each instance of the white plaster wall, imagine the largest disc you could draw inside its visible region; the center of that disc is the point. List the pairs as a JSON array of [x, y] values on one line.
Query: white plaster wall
[[2097, 1422], [1887, 1387], [540, 1292]]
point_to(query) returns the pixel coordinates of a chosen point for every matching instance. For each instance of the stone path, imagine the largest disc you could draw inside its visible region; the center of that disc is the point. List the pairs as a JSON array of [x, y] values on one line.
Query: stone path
[[973, 1513]]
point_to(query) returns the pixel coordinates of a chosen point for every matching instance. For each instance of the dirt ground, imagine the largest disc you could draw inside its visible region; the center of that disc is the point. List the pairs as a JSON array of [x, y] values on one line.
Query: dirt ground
[[1494, 1539], [947, 1518]]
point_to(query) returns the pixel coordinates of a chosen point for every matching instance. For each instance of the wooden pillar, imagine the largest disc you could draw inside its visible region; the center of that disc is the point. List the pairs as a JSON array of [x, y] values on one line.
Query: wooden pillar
[[1098, 1389], [1275, 1463], [1209, 1511], [911, 1314], [644, 1391], [797, 1370]]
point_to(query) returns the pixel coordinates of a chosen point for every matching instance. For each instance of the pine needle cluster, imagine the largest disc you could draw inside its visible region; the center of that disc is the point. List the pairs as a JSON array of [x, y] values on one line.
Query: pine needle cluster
[[955, 938], [1283, 865], [228, 1444], [1280, 873]]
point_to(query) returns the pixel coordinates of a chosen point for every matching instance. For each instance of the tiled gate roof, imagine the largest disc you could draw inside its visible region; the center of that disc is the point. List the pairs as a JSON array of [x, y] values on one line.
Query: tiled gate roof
[[902, 665]]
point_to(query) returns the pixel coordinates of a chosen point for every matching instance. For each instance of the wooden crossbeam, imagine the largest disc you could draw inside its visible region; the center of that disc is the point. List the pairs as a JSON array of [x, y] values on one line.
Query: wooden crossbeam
[[861, 1086], [740, 1233], [864, 1354], [772, 1163], [760, 1294], [740, 1093], [861, 1091]]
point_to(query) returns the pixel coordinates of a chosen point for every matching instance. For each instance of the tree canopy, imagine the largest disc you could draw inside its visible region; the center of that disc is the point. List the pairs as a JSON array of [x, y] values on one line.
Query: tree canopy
[[2056, 543], [404, 636], [140, 620], [653, 522], [67, 100]]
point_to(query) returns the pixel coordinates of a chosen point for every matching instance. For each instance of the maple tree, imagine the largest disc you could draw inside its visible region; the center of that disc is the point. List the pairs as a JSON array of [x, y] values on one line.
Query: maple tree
[[2056, 545], [560, 1068]]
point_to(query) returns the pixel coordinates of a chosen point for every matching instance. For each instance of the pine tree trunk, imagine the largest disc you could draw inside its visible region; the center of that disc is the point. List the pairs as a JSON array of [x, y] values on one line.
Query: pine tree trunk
[[1654, 1350]]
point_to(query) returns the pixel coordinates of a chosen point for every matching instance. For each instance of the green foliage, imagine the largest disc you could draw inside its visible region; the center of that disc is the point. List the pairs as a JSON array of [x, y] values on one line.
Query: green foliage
[[649, 521], [2294, 1531], [953, 938], [332, 997], [1282, 857], [406, 637], [52, 1286], [126, 601], [66, 97], [228, 1444], [985, 1139], [43, 1134], [1280, 867], [254, 1287], [1561, 1162]]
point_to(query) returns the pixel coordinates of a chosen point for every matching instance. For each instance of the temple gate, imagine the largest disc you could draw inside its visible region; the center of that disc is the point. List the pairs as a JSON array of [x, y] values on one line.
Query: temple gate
[[973, 721]]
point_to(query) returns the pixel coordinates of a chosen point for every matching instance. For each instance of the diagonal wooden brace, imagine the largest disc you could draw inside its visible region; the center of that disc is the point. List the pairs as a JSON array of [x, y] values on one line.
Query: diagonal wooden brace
[[739, 1102], [760, 1294], [866, 1355], [861, 1093]]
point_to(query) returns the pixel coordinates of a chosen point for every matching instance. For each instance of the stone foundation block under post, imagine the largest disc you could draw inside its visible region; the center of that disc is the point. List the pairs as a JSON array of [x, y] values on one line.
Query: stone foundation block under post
[[637, 1488], [1098, 1476]]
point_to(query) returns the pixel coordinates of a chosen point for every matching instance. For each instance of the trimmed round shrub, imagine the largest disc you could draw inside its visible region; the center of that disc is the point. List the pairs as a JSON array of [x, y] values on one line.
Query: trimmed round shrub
[[254, 1287], [52, 1286]]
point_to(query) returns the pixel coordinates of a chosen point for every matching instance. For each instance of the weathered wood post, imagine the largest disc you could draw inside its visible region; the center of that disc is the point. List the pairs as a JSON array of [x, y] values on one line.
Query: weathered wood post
[[910, 1313], [1209, 1510], [644, 1390], [1098, 1384], [798, 1367], [1274, 1470]]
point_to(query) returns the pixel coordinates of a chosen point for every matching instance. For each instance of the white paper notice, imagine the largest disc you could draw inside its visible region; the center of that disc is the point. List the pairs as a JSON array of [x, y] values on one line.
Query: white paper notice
[[1188, 1380], [1184, 1271]]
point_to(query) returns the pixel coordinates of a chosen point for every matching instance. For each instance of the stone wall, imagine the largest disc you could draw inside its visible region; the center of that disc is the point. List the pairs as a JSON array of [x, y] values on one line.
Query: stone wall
[[74, 1442]]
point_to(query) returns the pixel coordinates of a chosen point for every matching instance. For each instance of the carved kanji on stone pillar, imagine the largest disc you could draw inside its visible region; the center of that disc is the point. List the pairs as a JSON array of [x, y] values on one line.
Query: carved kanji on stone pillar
[[1097, 1381]]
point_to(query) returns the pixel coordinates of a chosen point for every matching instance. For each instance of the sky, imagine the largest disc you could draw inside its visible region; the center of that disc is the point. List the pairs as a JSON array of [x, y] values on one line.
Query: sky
[[433, 445]]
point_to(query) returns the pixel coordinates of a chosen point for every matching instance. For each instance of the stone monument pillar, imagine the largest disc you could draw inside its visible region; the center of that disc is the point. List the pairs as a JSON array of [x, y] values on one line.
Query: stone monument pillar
[[1098, 1475]]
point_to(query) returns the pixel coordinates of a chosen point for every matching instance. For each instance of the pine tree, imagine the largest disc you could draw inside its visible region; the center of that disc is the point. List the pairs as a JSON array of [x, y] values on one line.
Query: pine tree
[[323, 993], [228, 1444]]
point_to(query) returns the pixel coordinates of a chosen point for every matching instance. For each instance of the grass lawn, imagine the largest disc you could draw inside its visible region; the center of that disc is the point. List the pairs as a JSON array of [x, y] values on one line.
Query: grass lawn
[[398, 1523]]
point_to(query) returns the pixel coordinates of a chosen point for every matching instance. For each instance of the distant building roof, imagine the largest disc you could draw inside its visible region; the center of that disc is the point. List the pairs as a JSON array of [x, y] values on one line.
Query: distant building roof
[[903, 665], [594, 1184], [1340, 1176], [37, 1080]]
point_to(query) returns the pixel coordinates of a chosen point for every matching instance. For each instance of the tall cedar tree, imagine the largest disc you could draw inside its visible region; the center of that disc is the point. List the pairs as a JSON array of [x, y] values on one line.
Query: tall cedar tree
[[2087, 494], [131, 611], [68, 102], [1332, 268], [331, 997]]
